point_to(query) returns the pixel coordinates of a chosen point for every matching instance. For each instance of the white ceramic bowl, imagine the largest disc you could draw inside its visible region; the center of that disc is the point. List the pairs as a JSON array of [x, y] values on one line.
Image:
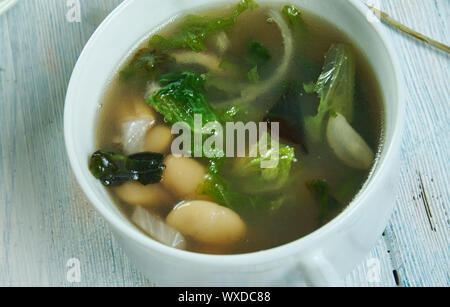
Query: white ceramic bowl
[[321, 258]]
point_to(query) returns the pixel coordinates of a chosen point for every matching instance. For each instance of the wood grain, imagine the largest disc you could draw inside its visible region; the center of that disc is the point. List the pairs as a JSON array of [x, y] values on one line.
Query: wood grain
[[45, 220]]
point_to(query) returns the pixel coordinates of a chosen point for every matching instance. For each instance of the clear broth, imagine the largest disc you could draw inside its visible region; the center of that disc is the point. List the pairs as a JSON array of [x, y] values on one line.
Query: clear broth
[[300, 215]]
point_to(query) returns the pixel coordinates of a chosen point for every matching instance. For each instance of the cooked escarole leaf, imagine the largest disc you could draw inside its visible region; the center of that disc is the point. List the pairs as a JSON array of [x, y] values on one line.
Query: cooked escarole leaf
[[230, 114], [181, 97], [336, 84], [253, 75], [228, 195], [145, 64], [224, 194], [251, 187], [255, 178], [197, 29], [335, 87], [114, 169]]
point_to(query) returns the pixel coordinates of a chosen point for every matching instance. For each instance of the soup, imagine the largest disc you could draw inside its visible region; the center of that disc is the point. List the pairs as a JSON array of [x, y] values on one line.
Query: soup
[[295, 100]]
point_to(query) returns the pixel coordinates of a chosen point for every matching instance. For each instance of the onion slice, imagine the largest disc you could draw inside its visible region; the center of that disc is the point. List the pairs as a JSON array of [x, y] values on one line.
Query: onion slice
[[252, 92], [133, 134], [205, 59], [152, 87], [135, 127], [347, 144], [158, 229]]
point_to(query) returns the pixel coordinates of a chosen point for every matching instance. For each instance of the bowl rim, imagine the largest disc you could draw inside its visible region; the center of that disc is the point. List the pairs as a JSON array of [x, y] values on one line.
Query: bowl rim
[[276, 253], [6, 5]]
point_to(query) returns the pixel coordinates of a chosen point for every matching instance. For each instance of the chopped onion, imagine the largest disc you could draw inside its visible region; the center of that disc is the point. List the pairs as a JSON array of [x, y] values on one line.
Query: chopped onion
[[223, 43], [347, 144], [158, 229], [152, 87], [133, 134], [135, 130]]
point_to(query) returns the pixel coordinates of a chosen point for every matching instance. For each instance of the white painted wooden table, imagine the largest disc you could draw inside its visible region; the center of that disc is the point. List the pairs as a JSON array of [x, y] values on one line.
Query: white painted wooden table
[[45, 220]]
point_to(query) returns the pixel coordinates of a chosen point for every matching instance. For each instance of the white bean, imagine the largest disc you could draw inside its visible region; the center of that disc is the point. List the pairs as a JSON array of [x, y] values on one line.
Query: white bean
[[158, 139], [207, 223], [183, 175]]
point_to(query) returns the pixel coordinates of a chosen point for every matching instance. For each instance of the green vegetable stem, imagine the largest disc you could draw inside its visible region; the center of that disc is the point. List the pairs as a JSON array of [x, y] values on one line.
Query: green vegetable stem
[[336, 89]]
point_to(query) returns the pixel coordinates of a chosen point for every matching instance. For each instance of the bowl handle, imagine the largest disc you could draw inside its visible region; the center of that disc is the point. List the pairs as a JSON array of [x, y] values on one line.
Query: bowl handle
[[319, 272]]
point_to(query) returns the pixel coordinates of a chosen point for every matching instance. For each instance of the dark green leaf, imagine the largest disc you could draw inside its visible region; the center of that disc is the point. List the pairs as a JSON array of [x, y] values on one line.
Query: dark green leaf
[[335, 87], [309, 87], [224, 193], [145, 64], [253, 75], [115, 169], [294, 16], [258, 55], [287, 111], [321, 192], [181, 98]]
